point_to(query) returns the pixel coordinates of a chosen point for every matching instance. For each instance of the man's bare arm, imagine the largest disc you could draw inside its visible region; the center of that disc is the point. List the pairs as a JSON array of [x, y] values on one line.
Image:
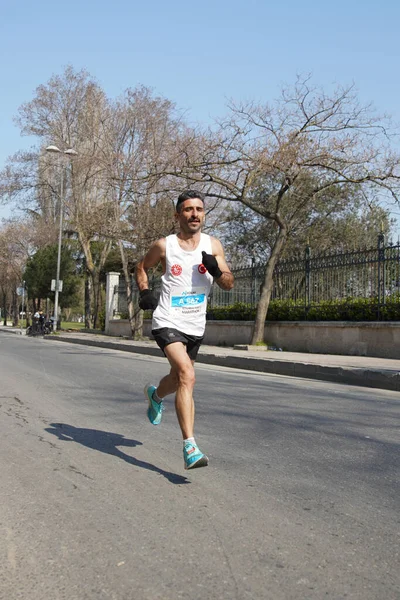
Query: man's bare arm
[[226, 279], [155, 255]]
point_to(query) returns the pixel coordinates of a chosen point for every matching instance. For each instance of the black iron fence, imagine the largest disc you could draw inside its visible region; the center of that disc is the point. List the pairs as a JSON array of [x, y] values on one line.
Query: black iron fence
[[356, 285]]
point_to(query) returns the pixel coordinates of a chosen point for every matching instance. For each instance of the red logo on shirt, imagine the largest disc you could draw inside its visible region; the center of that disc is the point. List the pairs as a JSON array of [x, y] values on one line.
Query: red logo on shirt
[[176, 270], [202, 269]]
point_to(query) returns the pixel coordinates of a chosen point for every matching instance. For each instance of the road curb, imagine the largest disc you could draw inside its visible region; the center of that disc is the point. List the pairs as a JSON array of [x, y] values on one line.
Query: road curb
[[149, 350], [347, 375], [13, 330]]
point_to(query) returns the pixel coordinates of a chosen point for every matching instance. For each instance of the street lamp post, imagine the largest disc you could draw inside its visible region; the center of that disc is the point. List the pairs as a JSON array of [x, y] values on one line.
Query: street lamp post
[[70, 152]]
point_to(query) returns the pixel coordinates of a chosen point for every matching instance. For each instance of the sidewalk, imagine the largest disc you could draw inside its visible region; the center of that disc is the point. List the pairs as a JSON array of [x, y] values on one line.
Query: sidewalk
[[364, 371], [351, 370]]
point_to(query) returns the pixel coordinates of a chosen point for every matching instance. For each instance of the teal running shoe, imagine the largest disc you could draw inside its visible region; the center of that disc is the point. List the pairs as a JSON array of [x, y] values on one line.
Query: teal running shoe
[[155, 410], [193, 458]]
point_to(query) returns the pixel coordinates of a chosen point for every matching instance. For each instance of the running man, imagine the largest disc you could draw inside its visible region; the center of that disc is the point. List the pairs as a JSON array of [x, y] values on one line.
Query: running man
[[191, 261]]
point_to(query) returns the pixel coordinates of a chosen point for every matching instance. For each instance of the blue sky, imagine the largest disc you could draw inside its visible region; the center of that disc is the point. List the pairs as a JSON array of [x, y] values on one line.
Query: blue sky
[[198, 54]]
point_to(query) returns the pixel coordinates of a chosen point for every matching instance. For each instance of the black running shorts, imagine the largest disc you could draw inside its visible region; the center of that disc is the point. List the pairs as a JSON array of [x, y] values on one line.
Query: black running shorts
[[166, 335]]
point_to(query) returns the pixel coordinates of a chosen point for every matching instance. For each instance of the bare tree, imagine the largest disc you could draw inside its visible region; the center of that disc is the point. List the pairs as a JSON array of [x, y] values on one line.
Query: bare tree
[[15, 243], [334, 226], [70, 111], [264, 157], [139, 142], [118, 189]]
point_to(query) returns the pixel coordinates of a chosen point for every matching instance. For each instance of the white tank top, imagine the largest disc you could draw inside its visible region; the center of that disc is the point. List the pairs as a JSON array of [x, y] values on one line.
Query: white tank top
[[185, 286]]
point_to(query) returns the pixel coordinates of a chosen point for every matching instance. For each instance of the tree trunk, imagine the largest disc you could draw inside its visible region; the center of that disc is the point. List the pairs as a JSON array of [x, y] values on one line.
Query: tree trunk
[[135, 322], [96, 286], [93, 285], [135, 319], [5, 309], [88, 302], [266, 288], [138, 324], [15, 309]]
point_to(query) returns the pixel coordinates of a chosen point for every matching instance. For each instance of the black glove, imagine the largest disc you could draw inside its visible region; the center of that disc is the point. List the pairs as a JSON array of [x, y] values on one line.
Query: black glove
[[147, 300], [210, 263]]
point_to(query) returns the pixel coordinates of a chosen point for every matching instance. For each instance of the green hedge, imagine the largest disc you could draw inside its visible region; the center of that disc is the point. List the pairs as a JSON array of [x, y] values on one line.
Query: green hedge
[[349, 309], [240, 311]]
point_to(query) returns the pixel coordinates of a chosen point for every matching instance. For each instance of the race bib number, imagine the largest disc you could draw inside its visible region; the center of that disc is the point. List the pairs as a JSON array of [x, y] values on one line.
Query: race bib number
[[191, 300]]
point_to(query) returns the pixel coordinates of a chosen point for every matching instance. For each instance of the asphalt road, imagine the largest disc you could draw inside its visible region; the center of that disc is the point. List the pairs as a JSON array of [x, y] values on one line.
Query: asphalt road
[[300, 501]]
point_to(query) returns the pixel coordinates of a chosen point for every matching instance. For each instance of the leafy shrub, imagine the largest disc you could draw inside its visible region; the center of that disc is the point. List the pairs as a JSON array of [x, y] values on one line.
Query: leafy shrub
[[240, 311], [348, 309]]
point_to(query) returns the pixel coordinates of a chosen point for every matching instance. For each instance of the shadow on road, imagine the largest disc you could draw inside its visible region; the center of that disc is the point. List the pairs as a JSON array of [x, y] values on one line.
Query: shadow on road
[[107, 442]]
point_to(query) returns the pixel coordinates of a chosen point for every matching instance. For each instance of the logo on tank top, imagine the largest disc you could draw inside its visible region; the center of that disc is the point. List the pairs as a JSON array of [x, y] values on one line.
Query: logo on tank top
[[176, 270], [201, 269]]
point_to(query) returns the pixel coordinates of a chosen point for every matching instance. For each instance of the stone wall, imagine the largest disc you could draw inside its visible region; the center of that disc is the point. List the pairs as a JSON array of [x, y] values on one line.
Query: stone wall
[[342, 337], [354, 339]]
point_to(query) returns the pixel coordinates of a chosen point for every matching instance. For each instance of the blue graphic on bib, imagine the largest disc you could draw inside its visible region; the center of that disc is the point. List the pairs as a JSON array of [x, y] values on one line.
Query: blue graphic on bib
[[187, 300]]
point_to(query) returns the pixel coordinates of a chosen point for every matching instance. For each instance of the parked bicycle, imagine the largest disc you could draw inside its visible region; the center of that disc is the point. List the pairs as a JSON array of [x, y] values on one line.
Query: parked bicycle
[[40, 328]]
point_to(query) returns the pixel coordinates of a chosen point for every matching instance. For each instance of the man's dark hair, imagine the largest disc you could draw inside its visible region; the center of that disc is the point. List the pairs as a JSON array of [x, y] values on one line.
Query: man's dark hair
[[189, 195]]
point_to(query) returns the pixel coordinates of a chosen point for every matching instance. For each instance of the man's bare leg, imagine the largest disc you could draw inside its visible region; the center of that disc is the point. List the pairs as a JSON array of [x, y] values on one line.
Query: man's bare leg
[[181, 379], [168, 384]]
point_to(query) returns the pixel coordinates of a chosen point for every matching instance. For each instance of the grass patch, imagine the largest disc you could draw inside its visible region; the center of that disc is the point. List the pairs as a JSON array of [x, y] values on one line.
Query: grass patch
[[73, 325]]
